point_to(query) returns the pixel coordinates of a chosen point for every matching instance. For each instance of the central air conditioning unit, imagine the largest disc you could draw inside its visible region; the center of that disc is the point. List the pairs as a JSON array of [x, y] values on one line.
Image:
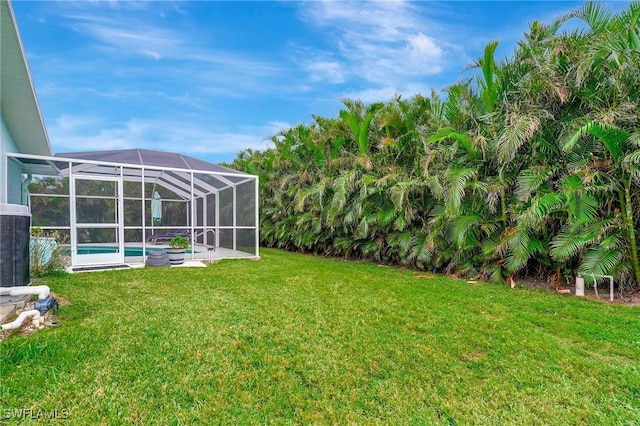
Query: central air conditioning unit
[[15, 221]]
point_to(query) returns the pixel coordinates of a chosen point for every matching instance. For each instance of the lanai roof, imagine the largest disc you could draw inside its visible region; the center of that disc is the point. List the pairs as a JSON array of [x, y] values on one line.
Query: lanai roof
[[146, 157], [168, 169]]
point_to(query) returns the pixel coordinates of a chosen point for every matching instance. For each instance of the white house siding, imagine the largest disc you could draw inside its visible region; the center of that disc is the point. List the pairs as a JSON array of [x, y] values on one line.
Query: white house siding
[[14, 173]]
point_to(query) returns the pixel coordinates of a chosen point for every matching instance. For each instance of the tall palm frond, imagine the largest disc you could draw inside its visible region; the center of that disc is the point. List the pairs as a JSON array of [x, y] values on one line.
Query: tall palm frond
[[613, 138], [522, 246], [529, 180], [464, 139], [518, 130], [463, 230], [573, 238], [594, 14], [541, 206], [456, 178], [600, 261], [423, 247]]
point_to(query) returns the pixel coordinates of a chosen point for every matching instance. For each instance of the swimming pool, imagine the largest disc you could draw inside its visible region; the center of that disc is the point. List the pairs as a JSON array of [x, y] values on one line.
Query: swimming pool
[[128, 251]]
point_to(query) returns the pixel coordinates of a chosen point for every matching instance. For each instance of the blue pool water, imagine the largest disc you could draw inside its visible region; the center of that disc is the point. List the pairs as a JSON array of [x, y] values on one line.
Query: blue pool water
[[128, 251]]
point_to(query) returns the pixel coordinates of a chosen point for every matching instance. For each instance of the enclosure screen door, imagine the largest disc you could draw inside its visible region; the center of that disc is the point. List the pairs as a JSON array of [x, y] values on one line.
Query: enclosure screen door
[[96, 229]]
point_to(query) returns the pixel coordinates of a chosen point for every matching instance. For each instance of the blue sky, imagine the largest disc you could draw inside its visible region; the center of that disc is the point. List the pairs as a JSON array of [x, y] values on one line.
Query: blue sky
[[209, 78]]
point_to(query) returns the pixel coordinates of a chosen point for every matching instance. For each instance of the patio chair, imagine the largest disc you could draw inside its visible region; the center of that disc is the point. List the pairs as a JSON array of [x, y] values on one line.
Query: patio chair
[[155, 238]]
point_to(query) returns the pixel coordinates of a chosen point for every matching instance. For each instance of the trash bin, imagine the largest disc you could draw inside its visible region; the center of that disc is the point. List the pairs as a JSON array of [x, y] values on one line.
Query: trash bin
[[158, 259]]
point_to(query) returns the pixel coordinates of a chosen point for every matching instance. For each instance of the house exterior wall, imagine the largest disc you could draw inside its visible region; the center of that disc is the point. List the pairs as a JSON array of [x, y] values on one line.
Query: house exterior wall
[[9, 170]]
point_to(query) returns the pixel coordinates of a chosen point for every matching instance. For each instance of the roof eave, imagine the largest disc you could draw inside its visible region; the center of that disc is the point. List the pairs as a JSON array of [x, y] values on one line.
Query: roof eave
[[19, 103]]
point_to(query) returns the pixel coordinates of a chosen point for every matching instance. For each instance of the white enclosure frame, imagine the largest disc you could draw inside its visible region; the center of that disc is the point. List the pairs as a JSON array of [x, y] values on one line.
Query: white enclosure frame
[[80, 259], [191, 185]]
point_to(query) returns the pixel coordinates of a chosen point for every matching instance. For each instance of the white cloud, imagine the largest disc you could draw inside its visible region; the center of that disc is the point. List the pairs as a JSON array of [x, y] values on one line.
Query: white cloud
[[152, 54], [420, 46], [377, 21], [387, 93], [127, 35], [89, 133], [381, 42], [332, 71], [379, 94], [179, 54]]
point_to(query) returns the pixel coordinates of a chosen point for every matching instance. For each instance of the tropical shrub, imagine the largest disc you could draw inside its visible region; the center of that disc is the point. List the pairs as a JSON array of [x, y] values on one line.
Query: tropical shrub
[[530, 168], [48, 252]]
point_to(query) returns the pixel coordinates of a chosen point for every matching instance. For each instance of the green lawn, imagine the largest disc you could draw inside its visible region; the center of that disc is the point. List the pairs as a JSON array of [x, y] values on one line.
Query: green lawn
[[301, 339]]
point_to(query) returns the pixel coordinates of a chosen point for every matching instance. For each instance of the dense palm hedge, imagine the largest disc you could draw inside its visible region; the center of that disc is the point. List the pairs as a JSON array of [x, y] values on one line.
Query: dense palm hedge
[[530, 168]]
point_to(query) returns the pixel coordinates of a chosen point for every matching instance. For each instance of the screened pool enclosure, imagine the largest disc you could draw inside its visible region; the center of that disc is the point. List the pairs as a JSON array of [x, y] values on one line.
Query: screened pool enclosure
[[115, 207]]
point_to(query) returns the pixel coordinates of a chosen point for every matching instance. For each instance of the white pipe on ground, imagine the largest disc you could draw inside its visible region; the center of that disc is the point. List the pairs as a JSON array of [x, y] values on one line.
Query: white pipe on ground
[[36, 320], [595, 284], [41, 290]]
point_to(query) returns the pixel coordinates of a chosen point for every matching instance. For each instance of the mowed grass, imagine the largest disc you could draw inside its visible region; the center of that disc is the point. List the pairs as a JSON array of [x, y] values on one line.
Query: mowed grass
[[302, 339]]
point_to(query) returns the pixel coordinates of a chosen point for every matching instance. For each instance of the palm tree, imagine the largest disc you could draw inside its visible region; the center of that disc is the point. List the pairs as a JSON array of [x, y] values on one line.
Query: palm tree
[[532, 166]]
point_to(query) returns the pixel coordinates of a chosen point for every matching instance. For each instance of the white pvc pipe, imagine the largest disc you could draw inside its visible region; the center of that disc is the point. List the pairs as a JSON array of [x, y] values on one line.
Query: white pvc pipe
[[595, 285], [41, 290], [36, 320]]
